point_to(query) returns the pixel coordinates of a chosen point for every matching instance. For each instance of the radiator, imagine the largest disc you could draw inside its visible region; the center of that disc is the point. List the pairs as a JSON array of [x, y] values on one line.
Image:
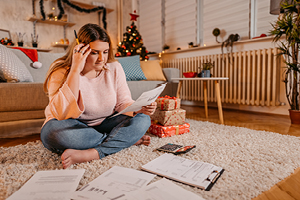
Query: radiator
[[254, 77]]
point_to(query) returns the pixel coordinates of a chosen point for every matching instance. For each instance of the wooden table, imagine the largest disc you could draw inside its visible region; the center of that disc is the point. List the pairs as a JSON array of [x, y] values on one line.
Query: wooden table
[[217, 85]]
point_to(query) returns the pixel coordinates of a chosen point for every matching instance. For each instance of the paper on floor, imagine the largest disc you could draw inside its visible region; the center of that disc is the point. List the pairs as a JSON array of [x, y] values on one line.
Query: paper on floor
[[163, 189], [115, 183], [54, 184]]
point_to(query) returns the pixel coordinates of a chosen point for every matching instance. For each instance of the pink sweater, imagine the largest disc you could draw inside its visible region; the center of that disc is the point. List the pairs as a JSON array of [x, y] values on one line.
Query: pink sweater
[[98, 97]]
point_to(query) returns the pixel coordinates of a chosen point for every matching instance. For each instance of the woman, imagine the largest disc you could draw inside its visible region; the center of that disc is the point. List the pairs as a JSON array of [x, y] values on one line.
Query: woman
[[86, 87]]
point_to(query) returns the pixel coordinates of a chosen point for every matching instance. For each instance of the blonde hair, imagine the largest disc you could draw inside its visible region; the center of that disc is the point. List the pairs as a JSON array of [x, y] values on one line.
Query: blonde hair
[[87, 33]]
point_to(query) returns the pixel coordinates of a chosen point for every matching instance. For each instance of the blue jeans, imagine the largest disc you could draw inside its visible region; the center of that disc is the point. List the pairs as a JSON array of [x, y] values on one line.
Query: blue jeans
[[111, 136]]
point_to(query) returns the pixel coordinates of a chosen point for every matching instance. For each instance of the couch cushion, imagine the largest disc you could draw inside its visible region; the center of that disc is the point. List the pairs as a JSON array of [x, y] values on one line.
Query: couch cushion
[[45, 58], [153, 70], [132, 68], [22, 97], [22, 115], [12, 69]]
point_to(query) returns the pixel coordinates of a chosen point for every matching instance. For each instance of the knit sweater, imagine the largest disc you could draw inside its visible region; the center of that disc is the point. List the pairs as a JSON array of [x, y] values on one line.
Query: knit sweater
[[98, 97]]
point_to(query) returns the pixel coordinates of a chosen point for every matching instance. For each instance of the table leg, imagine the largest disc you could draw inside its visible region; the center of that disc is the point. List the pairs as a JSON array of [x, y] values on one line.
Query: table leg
[[179, 89], [205, 98], [219, 101]]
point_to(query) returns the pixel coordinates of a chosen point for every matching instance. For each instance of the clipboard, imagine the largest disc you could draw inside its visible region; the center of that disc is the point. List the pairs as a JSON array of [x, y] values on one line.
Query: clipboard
[[195, 173]]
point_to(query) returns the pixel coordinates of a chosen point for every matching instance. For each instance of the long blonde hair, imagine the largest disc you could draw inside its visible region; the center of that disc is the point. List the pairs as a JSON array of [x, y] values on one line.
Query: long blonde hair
[[87, 33]]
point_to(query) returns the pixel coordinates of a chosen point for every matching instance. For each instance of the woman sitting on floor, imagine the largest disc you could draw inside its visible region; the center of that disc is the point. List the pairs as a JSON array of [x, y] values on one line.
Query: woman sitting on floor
[[86, 87]]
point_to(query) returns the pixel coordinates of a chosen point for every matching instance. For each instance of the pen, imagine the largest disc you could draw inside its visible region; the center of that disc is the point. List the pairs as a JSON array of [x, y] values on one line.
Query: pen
[[76, 37]]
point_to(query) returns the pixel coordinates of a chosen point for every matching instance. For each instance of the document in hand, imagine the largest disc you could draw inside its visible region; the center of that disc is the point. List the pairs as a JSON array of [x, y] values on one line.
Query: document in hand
[[145, 99], [199, 174]]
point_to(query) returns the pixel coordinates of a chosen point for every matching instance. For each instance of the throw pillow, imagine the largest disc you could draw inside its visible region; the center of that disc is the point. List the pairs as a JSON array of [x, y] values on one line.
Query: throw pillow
[[132, 68], [153, 70], [12, 69]]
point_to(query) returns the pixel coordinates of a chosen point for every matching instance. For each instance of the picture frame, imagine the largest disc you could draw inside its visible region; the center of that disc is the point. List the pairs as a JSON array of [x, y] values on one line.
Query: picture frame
[[5, 34]]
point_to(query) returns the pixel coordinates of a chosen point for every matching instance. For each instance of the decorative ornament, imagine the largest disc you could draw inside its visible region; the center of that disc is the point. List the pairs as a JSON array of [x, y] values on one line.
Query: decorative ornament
[[128, 54], [216, 32], [133, 16], [117, 54]]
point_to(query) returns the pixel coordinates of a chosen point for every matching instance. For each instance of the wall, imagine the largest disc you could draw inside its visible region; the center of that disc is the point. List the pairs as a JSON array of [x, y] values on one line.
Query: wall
[[13, 15]]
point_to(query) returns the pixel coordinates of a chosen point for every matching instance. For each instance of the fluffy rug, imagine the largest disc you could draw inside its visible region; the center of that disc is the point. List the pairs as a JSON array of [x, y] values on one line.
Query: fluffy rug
[[254, 161]]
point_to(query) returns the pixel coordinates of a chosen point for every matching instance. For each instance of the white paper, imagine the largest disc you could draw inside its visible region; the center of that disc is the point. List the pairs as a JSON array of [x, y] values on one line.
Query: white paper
[[145, 99], [49, 185], [163, 189], [191, 172], [114, 184]]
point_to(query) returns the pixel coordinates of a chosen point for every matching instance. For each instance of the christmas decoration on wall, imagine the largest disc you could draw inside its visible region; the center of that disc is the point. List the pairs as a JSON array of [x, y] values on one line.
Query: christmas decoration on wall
[[67, 2], [6, 41], [132, 43]]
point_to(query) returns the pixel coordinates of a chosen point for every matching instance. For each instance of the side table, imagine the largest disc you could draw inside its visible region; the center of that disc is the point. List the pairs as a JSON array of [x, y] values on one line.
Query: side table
[[217, 85]]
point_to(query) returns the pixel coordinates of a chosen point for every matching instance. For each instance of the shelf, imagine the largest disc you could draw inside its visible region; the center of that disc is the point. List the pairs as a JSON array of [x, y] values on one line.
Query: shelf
[[60, 45], [89, 6], [62, 23], [38, 49]]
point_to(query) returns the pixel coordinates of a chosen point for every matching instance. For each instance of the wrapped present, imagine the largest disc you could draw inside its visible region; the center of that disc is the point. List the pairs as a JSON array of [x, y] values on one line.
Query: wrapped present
[[168, 103], [168, 131], [168, 118]]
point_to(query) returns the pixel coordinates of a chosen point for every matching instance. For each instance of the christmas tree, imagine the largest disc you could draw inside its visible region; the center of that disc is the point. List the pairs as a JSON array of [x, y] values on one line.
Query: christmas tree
[[132, 43]]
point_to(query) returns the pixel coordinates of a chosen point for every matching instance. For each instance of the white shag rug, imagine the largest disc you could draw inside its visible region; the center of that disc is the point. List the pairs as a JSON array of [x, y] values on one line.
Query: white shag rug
[[254, 161]]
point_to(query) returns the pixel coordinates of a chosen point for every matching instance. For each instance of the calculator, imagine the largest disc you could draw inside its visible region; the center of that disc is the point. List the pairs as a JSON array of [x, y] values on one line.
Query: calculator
[[175, 148]]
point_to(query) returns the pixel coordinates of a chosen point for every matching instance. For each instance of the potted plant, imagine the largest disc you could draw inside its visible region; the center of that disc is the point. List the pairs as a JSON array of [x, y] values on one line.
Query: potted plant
[[206, 68], [286, 32]]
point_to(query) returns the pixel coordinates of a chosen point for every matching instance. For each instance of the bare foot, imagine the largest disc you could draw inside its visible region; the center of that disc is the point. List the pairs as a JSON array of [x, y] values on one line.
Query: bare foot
[[72, 156], [145, 140]]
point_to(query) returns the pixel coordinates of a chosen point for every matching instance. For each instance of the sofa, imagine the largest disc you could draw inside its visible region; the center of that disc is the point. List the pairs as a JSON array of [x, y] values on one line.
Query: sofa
[[22, 104]]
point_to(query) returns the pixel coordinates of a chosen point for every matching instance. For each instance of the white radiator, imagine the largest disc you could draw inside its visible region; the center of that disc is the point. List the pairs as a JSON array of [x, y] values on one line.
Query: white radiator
[[254, 77]]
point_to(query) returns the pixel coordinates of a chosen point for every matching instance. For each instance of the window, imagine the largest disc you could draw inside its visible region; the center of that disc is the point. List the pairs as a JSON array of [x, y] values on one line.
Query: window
[[177, 22], [150, 24]]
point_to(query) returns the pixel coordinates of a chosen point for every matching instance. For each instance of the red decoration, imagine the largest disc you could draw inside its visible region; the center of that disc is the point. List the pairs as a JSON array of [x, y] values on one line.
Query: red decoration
[[262, 35], [147, 57], [133, 16], [123, 46], [117, 54], [146, 51], [128, 54]]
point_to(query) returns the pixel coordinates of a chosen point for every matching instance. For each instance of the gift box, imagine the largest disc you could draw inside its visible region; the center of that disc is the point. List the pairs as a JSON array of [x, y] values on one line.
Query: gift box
[[168, 118], [168, 103], [168, 131]]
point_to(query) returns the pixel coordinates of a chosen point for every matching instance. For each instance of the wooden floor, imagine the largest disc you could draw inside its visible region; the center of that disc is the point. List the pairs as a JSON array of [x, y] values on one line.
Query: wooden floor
[[288, 189]]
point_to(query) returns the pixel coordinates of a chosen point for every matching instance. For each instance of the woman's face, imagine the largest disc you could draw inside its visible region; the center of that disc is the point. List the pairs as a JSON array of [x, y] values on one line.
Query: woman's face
[[98, 56]]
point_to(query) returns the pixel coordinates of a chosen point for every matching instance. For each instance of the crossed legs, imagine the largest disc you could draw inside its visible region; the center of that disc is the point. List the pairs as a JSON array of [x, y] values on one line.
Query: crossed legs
[[78, 142]]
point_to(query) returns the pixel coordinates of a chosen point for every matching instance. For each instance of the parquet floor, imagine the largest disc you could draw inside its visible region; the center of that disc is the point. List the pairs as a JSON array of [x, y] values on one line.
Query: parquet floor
[[288, 189]]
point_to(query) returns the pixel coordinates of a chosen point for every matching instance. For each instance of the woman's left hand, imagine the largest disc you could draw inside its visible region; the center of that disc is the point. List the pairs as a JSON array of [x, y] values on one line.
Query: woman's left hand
[[148, 110]]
